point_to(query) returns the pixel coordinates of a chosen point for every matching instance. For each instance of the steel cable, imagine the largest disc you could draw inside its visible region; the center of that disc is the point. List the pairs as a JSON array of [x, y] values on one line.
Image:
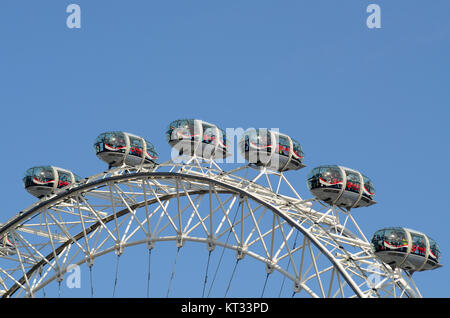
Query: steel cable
[[223, 249]]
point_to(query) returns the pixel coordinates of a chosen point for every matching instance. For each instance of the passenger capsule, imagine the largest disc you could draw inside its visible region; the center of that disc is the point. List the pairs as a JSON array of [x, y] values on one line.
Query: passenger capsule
[[196, 137], [341, 186], [118, 148], [406, 249], [271, 149], [44, 180]]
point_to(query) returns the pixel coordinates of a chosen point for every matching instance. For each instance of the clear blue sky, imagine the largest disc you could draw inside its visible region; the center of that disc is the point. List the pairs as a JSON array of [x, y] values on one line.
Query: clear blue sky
[[376, 100]]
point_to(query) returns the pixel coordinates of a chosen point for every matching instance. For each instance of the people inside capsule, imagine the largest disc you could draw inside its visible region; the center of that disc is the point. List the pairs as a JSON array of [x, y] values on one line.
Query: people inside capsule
[[196, 137], [44, 180], [341, 186], [264, 147], [406, 249], [435, 253], [120, 148]]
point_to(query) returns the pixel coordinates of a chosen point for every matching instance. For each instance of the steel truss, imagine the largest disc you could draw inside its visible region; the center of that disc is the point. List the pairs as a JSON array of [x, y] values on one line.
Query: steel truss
[[255, 212]]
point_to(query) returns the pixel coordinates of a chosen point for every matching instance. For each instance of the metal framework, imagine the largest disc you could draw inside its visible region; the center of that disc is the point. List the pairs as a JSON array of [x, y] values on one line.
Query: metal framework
[[257, 213]]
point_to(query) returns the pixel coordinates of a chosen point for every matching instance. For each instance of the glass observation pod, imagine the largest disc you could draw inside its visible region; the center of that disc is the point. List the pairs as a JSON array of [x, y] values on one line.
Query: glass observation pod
[[44, 180], [196, 137], [406, 249], [263, 147], [341, 186], [117, 148]]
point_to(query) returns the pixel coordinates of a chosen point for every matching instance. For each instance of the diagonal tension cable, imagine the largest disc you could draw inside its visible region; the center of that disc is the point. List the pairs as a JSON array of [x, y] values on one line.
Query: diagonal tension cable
[[148, 274], [265, 283], [173, 271], [223, 249], [232, 275], [117, 270], [90, 278], [289, 263], [206, 274]]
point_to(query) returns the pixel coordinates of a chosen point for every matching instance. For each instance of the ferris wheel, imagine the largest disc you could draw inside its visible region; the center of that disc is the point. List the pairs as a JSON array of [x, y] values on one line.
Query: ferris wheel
[[313, 245]]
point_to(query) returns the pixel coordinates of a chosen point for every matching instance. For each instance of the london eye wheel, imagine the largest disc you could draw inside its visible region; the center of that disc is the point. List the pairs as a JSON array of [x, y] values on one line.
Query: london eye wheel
[[309, 247]]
